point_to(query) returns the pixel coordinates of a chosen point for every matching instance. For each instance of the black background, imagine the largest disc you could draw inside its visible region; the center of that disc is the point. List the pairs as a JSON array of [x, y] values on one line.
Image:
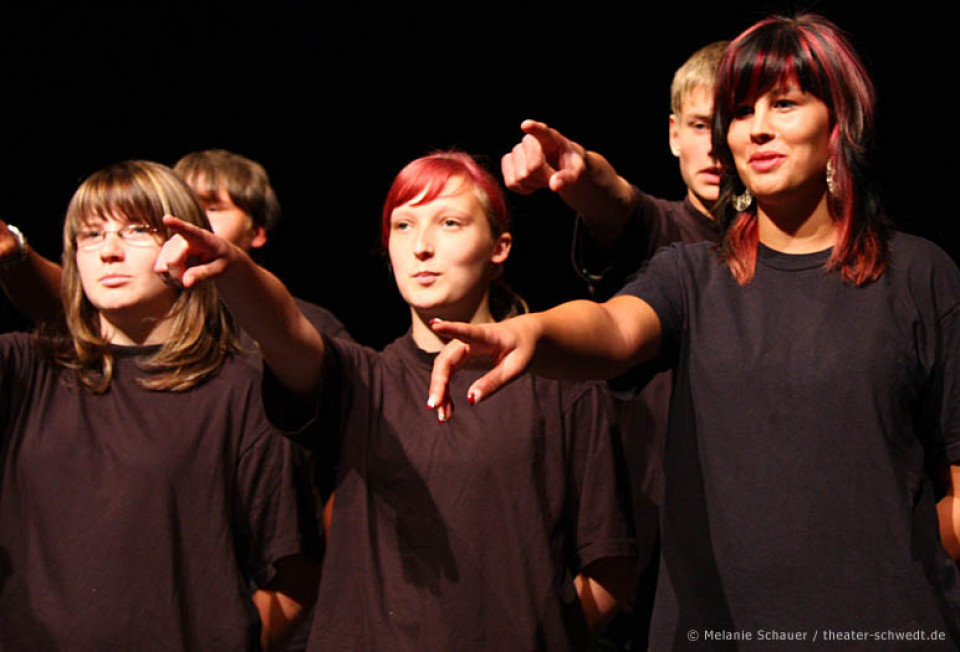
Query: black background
[[335, 98]]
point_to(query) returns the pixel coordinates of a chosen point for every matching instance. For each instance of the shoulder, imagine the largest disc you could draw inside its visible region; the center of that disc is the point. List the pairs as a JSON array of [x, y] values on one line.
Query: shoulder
[[655, 211], [350, 353], [241, 368], [925, 271], [20, 351], [910, 252], [649, 202], [17, 341], [322, 319]]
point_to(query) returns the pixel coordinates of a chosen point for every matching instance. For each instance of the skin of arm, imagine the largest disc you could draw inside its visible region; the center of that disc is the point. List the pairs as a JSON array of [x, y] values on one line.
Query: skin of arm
[[585, 180], [603, 586], [948, 511], [286, 600], [33, 285], [576, 340], [257, 299]]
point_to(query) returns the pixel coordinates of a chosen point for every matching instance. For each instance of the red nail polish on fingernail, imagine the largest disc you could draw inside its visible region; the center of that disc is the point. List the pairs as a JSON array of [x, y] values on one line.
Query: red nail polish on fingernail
[[430, 404], [472, 398]]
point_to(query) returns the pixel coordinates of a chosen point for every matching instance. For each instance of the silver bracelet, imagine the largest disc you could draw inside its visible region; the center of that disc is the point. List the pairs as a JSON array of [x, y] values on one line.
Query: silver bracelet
[[13, 261]]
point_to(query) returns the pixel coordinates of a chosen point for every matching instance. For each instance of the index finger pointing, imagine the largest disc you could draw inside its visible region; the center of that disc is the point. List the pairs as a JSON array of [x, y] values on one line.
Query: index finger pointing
[[549, 137], [190, 232]]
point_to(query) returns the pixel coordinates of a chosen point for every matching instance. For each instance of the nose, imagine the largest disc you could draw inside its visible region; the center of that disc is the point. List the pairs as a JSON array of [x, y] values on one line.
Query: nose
[[112, 246], [423, 244], [760, 130]]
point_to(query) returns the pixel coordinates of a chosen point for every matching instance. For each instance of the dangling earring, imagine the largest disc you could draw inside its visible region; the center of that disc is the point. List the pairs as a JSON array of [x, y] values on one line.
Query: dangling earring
[[831, 179], [742, 202]]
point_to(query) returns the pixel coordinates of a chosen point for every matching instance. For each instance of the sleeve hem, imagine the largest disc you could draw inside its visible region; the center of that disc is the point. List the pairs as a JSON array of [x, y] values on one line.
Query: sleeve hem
[[613, 548]]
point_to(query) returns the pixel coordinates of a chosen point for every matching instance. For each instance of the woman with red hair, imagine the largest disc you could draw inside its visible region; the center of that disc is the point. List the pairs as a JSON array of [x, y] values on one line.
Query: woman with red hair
[[503, 529], [814, 431]]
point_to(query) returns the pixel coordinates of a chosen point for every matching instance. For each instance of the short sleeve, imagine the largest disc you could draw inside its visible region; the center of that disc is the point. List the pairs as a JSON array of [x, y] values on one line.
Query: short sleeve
[[950, 403], [271, 506], [599, 502], [659, 283]]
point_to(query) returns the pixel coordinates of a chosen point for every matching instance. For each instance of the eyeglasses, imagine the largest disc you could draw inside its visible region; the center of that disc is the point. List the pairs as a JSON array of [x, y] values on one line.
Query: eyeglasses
[[135, 235]]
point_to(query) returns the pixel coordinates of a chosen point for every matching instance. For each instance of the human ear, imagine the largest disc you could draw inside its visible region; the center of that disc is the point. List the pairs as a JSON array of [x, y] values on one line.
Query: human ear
[[674, 135], [259, 237], [501, 248]]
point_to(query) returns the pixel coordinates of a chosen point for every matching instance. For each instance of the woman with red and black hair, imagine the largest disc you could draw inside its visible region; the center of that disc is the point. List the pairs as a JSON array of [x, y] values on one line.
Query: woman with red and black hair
[[814, 431], [503, 529]]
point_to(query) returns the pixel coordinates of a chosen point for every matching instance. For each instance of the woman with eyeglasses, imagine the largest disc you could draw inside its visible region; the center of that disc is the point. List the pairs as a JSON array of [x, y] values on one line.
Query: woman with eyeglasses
[[142, 491]]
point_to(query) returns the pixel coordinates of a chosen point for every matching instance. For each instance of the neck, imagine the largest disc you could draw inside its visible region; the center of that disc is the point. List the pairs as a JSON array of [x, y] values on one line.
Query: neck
[[429, 341], [797, 227], [139, 332]]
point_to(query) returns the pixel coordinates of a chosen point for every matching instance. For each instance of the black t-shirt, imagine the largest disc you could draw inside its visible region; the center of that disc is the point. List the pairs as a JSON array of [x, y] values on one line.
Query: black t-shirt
[[655, 223], [136, 519], [463, 535], [806, 417]]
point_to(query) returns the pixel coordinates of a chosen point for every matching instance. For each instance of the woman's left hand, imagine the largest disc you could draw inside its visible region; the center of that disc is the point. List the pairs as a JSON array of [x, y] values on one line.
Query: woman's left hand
[[192, 254], [509, 344]]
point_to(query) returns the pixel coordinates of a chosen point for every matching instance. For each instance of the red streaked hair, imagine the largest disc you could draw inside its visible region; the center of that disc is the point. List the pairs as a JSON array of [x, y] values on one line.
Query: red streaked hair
[[428, 175], [813, 53]]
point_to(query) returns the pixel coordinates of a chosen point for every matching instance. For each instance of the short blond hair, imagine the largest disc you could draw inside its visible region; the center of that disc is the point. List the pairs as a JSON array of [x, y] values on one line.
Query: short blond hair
[[699, 71]]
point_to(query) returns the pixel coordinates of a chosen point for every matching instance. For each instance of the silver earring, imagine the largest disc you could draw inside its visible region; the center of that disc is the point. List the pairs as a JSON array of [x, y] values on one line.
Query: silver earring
[[831, 179], [742, 202]]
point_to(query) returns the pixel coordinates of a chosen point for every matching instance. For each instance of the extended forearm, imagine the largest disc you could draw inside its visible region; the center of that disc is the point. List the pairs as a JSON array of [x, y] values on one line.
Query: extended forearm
[[264, 308], [605, 199], [587, 340]]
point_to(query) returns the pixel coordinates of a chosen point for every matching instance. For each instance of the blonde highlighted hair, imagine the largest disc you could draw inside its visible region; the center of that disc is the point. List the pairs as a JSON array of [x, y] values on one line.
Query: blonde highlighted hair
[[201, 335], [699, 71]]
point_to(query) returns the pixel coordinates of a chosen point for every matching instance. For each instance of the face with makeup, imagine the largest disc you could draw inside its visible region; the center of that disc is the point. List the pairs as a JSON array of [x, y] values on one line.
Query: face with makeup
[[780, 141]]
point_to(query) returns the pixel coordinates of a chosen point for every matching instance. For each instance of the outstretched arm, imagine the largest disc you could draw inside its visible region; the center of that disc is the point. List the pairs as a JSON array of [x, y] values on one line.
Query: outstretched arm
[[256, 298], [585, 180], [30, 281], [579, 340]]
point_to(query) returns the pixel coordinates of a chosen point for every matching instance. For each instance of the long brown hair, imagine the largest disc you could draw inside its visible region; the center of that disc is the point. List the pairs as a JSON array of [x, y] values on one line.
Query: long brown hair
[[202, 334]]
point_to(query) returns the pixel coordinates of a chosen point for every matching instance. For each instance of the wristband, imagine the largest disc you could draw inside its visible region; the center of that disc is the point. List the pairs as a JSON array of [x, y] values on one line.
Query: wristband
[[21, 255]]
